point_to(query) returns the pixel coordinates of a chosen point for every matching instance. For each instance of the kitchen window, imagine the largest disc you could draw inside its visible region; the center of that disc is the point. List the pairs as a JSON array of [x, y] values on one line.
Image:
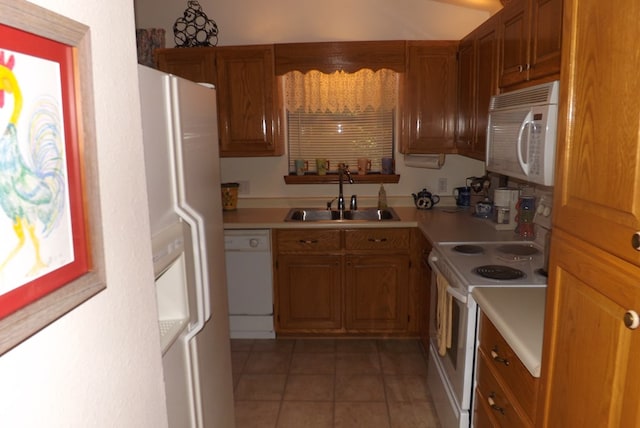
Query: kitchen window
[[340, 117]]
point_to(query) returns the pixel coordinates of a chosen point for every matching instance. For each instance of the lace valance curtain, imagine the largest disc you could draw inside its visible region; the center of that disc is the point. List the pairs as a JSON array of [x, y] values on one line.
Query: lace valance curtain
[[340, 91]]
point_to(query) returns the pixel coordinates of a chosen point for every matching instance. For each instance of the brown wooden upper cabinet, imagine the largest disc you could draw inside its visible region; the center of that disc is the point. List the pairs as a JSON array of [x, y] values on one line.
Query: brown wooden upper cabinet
[[248, 117], [196, 64], [477, 83], [530, 41], [429, 105]]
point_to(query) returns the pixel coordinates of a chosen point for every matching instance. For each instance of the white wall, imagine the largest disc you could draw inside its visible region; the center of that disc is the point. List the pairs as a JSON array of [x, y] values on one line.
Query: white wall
[[99, 365], [257, 21]]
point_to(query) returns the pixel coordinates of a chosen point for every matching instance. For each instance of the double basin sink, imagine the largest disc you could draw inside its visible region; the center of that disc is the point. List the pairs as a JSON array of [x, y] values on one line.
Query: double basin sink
[[318, 214]]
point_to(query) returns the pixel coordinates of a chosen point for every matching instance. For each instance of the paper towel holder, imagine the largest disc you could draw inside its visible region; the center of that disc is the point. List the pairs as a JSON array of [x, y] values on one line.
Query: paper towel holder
[[432, 161]]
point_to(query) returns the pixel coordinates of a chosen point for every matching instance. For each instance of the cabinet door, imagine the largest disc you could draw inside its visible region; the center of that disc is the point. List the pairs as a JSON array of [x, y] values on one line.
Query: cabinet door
[[590, 366], [546, 38], [597, 191], [309, 293], [248, 118], [514, 42], [377, 293], [466, 94], [430, 97], [487, 81], [475, 94], [195, 64]]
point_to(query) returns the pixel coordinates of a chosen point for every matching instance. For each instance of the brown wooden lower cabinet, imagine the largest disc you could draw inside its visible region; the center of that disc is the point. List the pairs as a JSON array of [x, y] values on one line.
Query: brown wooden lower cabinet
[[506, 393], [338, 282], [309, 292], [377, 293], [482, 416]]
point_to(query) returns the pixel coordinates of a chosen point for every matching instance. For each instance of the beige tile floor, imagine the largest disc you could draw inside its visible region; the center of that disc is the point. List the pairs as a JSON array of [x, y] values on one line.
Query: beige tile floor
[[341, 383]]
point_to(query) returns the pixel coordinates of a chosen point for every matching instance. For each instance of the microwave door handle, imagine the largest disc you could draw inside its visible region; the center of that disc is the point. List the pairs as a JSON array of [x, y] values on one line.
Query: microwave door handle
[[528, 120]]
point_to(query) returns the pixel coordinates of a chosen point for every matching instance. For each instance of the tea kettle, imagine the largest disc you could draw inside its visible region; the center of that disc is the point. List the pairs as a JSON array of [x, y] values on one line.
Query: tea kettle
[[424, 200]]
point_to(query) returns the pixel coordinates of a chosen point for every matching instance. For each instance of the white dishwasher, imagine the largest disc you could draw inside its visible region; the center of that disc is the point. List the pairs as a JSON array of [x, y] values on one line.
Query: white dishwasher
[[249, 283]]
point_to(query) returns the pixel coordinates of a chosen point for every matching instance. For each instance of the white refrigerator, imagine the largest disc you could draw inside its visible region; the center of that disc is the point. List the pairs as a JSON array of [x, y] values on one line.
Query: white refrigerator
[[182, 168]]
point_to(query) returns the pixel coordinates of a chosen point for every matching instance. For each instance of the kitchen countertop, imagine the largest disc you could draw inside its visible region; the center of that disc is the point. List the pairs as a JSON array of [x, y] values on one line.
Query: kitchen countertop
[[440, 224], [518, 314]]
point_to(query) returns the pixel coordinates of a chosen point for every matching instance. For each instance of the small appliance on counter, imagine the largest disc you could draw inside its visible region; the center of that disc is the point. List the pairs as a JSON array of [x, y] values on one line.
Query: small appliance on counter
[[479, 198], [505, 200]]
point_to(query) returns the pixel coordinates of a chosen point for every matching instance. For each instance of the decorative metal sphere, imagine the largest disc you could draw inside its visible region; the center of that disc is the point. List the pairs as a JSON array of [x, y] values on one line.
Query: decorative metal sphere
[[194, 28]]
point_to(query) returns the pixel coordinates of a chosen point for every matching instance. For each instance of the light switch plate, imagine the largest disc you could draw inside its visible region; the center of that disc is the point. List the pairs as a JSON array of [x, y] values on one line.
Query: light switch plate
[[243, 188]]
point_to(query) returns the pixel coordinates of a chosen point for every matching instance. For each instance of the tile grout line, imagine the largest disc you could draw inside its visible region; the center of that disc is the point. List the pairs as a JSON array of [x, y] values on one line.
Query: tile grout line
[[286, 381], [384, 383], [335, 385]]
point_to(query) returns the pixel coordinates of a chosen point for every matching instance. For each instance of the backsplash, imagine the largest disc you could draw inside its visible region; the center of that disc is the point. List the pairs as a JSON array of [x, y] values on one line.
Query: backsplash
[[262, 179]]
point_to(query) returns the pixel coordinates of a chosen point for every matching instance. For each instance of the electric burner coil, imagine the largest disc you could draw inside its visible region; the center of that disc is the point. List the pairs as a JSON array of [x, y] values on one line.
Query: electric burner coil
[[468, 249], [499, 272]]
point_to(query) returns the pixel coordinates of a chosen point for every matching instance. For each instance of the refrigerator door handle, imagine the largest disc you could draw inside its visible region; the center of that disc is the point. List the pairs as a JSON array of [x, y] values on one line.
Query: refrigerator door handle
[[201, 274], [196, 223]]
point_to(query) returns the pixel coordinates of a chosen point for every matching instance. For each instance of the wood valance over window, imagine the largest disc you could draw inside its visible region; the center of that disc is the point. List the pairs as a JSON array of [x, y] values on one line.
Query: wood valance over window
[[329, 57]]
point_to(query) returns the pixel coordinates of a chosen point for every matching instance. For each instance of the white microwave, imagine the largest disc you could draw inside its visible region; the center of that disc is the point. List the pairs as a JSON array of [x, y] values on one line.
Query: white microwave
[[521, 133]]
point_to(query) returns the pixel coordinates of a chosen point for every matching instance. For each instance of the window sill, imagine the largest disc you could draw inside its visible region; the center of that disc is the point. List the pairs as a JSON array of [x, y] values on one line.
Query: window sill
[[333, 178]]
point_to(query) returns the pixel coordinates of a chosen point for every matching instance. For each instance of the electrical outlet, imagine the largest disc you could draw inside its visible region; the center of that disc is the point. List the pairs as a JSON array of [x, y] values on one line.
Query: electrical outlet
[[243, 188], [442, 185]]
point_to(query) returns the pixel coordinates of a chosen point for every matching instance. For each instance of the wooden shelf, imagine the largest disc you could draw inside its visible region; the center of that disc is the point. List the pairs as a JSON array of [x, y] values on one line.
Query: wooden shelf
[[333, 178]]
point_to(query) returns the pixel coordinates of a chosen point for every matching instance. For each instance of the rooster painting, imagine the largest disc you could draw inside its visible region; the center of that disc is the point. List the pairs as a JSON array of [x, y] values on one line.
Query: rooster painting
[[32, 170]]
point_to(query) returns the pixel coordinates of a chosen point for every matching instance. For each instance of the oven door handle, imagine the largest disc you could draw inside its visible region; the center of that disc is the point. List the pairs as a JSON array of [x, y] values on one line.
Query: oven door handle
[[461, 297], [457, 295]]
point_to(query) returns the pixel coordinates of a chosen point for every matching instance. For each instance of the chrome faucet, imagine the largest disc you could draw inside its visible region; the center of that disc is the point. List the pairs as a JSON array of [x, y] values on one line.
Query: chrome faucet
[[342, 170]]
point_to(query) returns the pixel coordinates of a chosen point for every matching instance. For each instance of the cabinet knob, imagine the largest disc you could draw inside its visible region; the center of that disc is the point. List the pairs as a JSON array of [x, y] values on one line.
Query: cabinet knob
[[520, 68], [635, 241], [493, 404], [631, 320], [496, 357], [308, 241]]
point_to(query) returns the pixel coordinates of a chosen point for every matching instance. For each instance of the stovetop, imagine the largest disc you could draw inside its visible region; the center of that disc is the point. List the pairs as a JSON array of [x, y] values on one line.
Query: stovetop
[[507, 263]]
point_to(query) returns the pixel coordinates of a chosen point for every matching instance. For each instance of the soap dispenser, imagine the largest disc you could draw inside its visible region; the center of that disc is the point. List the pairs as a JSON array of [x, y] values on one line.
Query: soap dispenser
[[382, 197]]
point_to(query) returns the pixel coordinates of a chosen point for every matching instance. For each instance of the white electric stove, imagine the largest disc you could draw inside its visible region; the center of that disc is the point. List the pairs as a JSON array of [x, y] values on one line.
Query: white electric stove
[[464, 266], [493, 264]]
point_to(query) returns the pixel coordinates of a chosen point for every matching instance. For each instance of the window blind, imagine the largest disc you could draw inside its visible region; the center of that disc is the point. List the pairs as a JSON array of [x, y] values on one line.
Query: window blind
[[340, 138], [341, 117]]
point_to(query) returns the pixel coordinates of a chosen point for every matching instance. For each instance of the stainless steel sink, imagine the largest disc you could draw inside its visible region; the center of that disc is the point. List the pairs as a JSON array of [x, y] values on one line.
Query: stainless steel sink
[[318, 214]]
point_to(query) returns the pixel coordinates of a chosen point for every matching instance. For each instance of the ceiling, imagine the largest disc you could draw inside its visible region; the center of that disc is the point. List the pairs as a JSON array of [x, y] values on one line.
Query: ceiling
[[491, 6]]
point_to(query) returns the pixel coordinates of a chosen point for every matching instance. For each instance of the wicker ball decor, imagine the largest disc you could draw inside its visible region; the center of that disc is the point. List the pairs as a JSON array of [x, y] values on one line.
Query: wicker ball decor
[[194, 28]]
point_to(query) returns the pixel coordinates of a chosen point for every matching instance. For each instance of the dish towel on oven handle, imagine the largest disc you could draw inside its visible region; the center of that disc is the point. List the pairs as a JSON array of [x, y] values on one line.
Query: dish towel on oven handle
[[443, 315]]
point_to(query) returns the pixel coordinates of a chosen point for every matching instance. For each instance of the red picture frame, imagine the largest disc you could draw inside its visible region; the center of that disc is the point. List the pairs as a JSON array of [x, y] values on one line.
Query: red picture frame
[[31, 32], [15, 40]]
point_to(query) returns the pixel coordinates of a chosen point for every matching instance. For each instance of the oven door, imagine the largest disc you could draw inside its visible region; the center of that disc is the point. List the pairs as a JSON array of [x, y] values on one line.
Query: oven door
[[456, 366]]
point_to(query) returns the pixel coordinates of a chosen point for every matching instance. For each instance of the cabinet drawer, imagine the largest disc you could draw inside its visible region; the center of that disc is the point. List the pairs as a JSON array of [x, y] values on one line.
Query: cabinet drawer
[[482, 417], [306, 240], [490, 392], [522, 384], [377, 239]]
